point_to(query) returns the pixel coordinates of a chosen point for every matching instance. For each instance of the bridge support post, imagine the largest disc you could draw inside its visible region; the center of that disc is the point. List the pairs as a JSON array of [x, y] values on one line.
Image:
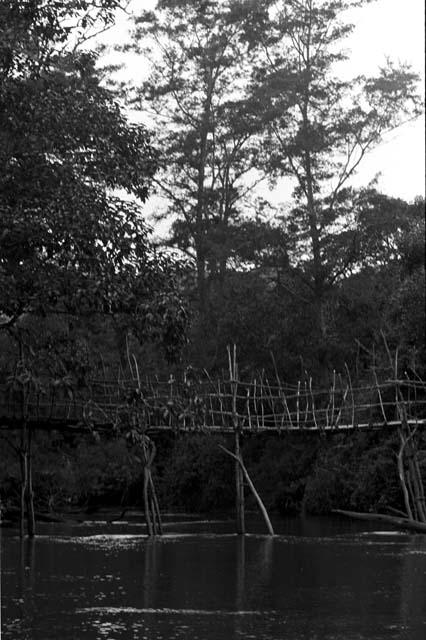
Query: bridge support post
[[30, 492], [245, 474], [239, 486], [151, 506], [24, 479], [26, 493]]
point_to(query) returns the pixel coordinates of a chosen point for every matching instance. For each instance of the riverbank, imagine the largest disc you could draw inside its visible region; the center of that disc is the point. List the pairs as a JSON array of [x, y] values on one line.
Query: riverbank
[[294, 473]]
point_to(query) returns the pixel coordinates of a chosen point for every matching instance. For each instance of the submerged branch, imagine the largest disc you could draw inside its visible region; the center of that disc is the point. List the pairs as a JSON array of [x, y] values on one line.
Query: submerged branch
[[402, 523]]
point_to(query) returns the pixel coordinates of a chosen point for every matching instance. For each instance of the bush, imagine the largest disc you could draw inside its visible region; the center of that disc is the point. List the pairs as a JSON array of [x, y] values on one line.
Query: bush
[[197, 476], [279, 467], [355, 472]]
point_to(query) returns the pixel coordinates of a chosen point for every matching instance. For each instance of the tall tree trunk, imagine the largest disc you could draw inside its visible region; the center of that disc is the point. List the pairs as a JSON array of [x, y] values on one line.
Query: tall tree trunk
[[316, 249], [200, 233], [201, 276], [309, 189]]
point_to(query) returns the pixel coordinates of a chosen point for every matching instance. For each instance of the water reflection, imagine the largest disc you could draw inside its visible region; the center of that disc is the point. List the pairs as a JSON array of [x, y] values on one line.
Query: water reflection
[[152, 563], [26, 581], [413, 587], [346, 587]]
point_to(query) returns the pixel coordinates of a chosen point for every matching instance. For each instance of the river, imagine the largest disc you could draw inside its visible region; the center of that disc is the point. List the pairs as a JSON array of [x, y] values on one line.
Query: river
[[317, 579]]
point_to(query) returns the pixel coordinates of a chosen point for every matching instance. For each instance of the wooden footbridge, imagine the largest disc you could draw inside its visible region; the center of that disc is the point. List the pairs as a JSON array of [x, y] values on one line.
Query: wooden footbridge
[[200, 403], [140, 408]]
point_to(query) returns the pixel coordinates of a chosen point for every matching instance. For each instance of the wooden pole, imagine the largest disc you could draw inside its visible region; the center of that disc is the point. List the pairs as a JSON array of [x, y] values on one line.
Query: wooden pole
[[412, 477], [298, 405], [146, 474], [24, 479], [151, 506], [402, 478], [30, 493], [239, 487], [422, 500], [239, 479], [153, 513], [146, 500], [252, 488], [156, 505], [352, 394], [333, 398]]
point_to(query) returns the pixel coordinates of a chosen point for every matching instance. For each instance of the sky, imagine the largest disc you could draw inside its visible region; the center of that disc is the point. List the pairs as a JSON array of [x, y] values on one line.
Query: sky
[[385, 28], [393, 28]]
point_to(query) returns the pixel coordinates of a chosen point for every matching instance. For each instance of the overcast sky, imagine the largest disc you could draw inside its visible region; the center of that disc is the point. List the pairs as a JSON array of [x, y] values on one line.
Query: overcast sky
[[393, 28]]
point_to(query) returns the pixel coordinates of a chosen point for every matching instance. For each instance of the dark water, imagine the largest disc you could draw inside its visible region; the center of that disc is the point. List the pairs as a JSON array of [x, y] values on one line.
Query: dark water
[[317, 579]]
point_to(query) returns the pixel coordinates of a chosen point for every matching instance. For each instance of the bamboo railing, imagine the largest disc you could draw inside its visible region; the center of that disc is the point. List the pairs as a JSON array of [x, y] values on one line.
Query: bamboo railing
[[200, 402]]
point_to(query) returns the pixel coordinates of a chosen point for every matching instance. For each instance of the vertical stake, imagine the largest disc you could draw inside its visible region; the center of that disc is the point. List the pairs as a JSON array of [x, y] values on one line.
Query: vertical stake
[[239, 477], [30, 493], [239, 486]]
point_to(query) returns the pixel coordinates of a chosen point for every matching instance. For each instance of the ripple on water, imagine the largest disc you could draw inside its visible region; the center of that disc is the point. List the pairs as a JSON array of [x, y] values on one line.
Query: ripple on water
[[169, 611]]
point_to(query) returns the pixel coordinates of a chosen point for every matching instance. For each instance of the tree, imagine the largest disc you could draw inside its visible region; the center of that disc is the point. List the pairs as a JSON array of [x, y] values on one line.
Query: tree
[[68, 243], [200, 53], [380, 290], [319, 127]]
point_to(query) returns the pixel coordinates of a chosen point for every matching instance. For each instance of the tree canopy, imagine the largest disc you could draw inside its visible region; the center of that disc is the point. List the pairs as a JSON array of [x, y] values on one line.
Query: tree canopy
[[246, 91], [239, 92], [71, 240]]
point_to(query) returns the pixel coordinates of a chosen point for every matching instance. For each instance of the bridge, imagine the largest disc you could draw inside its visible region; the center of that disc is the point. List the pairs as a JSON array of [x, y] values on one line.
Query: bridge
[[201, 403], [196, 402]]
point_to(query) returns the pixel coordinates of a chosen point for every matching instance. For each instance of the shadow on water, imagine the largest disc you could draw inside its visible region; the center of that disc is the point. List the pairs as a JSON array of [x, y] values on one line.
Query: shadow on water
[[343, 583]]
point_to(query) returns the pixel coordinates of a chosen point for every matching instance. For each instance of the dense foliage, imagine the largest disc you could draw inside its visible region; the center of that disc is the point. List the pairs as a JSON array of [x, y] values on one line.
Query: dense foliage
[[69, 244], [247, 91]]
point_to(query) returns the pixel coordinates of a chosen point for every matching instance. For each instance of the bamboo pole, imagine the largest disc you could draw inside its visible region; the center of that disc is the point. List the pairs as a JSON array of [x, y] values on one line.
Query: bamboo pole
[[421, 487], [148, 457], [239, 488], [29, 491], [262, 408], [352, 394], [411, 493], [256, 413], [248, 409], [413, 477], [306, 405], [156, 505], [333, 398], [342, 404], [401, 473], [146, 502], [24, 480], [312, 403], [239, 480], [298, 405], [380, 396]]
